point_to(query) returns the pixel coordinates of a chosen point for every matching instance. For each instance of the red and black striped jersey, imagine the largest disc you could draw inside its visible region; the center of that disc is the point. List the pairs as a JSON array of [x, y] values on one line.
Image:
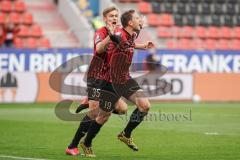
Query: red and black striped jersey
[[120, 57], [97, 67]]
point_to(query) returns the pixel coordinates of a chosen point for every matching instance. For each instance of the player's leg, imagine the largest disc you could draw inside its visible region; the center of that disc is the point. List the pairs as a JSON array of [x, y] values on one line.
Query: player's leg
[[121, 107], [143, 106], [107, 101], [137, 97], [93, 130], [101, 116], [83, 127], [136, 118], [93, 97]]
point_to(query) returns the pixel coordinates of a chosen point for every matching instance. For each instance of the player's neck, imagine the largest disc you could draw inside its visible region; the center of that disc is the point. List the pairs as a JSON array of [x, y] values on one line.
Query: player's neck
[[129, 30]]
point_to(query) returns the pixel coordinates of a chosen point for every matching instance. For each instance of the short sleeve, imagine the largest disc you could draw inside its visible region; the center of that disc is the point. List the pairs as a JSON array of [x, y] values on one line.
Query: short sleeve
[[97, 38]]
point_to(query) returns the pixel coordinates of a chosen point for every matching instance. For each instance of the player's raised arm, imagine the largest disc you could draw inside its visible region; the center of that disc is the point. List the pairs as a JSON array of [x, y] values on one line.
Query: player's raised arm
[[111, 24], [146, 45], [101, 46]]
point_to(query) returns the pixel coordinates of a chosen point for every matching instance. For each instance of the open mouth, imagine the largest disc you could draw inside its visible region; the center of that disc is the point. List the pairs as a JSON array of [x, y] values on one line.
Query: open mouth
[[114, 23]]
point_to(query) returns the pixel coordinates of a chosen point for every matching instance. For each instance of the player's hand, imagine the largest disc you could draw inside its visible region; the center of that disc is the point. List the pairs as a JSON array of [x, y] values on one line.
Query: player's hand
[[111, 32], [111, 28], [149, 45]]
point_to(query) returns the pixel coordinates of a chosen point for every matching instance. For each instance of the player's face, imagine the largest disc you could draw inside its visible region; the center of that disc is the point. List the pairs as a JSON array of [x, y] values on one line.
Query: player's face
[[112, 18], [135, 22]]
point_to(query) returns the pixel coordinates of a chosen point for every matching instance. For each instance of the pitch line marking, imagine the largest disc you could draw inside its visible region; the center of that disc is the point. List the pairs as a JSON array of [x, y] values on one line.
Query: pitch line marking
[[211, 133], [22, 158]]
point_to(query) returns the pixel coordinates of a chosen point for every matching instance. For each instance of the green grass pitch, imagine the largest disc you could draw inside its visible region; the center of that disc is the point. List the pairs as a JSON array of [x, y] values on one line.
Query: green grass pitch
[[211, 131]]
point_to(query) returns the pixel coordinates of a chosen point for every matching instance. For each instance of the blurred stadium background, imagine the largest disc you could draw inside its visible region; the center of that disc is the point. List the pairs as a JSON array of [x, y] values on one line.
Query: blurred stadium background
[[197, 40]]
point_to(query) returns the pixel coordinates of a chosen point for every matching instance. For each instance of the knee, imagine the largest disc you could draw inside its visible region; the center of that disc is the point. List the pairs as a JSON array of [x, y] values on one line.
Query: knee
[[101, 119], [122, 109], [93, 110], [144, 106], [92, 114], [93, 105]]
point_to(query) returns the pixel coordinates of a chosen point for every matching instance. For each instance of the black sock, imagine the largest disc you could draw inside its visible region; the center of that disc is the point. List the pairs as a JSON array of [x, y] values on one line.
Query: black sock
[[82, 129], [92, 132], [135, 119]]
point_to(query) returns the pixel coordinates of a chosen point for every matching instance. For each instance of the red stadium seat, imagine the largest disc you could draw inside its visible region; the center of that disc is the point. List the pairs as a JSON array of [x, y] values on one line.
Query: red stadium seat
[[210, 44], [234, 44], [186, 32], [175, 31], [171, 44], [184, 44], [36, 31], [198, 44], [236, 32], [6, 6], [144, 7], [2, 18], [44, 43], [164, 32], [24, 31], [19, 6], [153, 19], [18, 42], [27, 19], [14, 18], [200, 32], [223, 44], [31, 43], [225, 32], [165, 20], [213, 32]]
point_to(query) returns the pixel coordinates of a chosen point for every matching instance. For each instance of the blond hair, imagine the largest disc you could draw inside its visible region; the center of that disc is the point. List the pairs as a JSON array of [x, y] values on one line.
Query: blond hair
[[109, 9]]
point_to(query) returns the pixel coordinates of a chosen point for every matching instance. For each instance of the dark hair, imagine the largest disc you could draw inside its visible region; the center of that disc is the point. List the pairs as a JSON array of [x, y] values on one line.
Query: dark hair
[[109, 9], [126, 17]]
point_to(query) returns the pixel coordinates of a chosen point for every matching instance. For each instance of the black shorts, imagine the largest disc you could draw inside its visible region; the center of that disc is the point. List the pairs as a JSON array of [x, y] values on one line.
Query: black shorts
[[94, 88], [111, 93]]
